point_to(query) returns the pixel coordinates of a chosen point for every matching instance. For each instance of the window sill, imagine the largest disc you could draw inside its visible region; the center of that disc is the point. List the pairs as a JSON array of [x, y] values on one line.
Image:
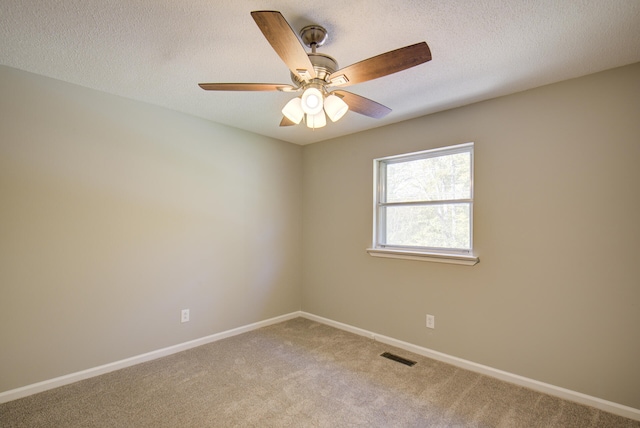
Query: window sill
[[458, 259]]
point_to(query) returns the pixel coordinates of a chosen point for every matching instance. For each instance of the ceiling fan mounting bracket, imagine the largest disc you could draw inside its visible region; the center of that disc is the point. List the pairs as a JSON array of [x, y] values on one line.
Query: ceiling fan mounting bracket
[[314, 36]]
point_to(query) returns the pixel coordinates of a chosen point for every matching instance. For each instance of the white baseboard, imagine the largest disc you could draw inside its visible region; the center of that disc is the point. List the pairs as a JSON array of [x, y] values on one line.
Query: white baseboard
[[27, 390], [607, 406], [567, 394]]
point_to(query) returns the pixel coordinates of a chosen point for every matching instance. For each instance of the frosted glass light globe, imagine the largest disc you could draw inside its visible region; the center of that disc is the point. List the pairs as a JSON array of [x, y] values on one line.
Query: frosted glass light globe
[[335, 107], [312, 101], [317, 120], [293, 110]]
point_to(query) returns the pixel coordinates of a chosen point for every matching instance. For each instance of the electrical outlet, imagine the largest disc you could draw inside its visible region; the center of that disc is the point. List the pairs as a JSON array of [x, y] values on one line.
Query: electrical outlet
[[431, 321], [184, 316]]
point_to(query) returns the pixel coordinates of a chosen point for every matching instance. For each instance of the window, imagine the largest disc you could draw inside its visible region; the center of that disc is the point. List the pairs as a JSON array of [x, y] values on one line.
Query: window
[[423, 205]]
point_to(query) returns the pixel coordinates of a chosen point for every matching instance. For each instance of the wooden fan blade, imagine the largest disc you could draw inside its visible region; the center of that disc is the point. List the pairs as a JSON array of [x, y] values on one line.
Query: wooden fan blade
[[382, 65], [286, 122], [284, 41], [363, 105], [245, 86]]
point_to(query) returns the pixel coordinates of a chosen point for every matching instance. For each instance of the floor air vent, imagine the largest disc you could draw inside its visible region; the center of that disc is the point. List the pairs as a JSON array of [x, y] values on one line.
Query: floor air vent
[[398, 359]]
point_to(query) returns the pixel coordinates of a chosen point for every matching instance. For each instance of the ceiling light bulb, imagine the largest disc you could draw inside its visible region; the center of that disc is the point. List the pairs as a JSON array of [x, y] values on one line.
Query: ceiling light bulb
[[293, 110], [335, 107], [317, 120], [312, 101]]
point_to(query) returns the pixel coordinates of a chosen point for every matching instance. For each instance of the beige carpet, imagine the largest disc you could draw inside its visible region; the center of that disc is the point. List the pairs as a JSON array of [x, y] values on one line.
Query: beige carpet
[[297, 374]]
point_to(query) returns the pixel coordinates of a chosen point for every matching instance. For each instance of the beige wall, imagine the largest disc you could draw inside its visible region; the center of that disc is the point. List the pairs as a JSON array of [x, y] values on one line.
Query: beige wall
[[556, 295], [115, 215]]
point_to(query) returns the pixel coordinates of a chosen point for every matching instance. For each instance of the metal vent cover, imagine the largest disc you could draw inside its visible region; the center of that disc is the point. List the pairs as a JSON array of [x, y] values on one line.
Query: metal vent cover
[[398, 359]]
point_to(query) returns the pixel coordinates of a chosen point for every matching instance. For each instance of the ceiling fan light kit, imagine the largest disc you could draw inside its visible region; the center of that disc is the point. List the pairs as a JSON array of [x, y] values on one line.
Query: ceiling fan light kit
[[313, 103], [317, 74]]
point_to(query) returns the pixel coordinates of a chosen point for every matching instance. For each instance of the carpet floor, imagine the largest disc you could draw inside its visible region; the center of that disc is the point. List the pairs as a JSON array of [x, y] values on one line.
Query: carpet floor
[[298, 373]]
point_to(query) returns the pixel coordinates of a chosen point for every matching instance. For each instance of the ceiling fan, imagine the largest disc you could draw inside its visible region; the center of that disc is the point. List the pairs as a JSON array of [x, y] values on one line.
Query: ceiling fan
[[317, 76]]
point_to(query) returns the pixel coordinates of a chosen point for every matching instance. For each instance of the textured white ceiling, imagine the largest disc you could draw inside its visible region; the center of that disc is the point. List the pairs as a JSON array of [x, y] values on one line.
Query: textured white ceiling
[[157, 51]]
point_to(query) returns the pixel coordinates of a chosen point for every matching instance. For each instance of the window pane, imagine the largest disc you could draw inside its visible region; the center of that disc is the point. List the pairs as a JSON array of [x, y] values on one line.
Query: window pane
[[438, 178], [435, 226]]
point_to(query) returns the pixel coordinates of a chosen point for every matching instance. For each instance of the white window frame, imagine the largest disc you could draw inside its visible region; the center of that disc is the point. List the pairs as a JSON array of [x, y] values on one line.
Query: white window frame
[[378, 249]]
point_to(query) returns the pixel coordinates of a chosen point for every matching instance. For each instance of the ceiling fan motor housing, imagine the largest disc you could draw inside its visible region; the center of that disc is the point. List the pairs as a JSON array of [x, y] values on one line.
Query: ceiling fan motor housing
[[324, 65]]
